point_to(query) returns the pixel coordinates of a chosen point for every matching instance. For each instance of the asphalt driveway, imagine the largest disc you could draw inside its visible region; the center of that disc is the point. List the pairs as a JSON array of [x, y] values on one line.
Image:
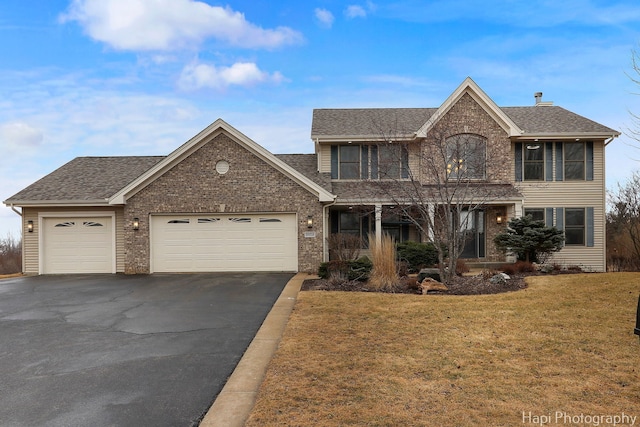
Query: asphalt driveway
[[115, 350]]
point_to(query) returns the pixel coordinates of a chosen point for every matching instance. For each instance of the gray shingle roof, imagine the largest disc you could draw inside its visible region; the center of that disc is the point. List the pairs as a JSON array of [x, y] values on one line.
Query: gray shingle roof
[[553, 119], [307, 165], [376, 122], [368, 121], [86, 178]]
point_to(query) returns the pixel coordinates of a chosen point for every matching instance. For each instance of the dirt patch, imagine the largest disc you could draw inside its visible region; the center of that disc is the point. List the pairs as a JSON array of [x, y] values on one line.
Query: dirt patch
[[462, 285]]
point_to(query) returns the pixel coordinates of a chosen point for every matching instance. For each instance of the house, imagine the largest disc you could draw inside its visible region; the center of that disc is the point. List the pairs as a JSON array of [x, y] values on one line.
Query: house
[[221, 202]]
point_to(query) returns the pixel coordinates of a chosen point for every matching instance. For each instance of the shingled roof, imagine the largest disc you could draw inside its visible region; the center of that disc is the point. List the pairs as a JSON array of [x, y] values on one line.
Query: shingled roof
[[377, 122], [88, 179], [307, 164]]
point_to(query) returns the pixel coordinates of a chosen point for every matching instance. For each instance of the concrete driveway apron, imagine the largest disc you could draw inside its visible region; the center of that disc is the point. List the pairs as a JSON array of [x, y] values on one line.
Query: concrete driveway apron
[[114, 350]]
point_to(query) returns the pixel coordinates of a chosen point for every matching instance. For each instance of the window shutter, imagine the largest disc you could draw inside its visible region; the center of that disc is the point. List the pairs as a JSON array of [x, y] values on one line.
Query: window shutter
[[589, 160], [548, 160], [374, 162], [590, 227], [334, 162], [548, 217], [404, 166], [560, 219], [518, 157], [559, 162], [364, 162]]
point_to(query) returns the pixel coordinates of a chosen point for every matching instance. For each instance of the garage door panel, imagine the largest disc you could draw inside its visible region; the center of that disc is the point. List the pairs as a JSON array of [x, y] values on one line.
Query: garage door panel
[[77, 245], [244, 242]]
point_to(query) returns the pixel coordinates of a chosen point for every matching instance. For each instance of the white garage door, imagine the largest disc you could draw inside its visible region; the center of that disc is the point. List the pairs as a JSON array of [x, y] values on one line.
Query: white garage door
[[77, 245], [240, 242]]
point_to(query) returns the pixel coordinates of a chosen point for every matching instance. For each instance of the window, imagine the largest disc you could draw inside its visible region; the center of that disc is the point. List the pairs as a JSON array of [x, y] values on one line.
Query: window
[[574, 164], [66, 224], [536, 213], [369, 161], [92, 224], [349, 161], [574, 230], [533, 162], [350, 223], [466, 157]]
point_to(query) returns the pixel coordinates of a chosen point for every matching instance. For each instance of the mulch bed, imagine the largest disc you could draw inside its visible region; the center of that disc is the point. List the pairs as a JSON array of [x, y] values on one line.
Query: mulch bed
[[462, 285]]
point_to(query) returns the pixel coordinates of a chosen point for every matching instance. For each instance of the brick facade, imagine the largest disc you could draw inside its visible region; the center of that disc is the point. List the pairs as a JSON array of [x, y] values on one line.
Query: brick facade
[[250, 186]]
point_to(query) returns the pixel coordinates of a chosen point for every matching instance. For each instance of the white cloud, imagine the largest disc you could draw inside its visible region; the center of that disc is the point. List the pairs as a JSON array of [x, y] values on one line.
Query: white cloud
[[164, 25], [324, 17], [355, 11], [19, 135], [197, 75]]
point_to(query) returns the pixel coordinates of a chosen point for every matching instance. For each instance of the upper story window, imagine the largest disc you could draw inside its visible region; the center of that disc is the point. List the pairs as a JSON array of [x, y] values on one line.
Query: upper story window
[[466, 157], [554, 161], [533, 162], [574, 160], [367, 161]]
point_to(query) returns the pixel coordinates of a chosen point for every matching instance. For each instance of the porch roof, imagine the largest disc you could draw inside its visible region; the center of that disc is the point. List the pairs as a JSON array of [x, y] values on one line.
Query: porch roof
[[372, 192]]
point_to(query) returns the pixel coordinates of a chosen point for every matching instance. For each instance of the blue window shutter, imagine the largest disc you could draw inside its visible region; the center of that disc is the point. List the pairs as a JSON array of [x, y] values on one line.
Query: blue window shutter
[[548, 161], [589, 160], [590, 227], [334, 162], [548, 217], [404, 167], [374, 162], [518, 156], [560, 218], [559, 162], [364, 162]]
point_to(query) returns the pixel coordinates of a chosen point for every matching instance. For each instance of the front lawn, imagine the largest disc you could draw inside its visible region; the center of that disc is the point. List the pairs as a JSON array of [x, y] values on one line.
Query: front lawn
[[563, 345]]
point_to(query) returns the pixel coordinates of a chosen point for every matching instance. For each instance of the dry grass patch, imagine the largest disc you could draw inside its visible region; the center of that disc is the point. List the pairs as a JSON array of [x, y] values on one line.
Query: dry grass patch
[[565, 343]]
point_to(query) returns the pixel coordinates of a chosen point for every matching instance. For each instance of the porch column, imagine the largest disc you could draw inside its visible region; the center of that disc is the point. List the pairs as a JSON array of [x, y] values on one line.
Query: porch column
[[378, 213]]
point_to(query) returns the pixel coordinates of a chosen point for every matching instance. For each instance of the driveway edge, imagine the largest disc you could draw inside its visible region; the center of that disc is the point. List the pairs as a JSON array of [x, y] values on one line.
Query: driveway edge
[[235, 402]]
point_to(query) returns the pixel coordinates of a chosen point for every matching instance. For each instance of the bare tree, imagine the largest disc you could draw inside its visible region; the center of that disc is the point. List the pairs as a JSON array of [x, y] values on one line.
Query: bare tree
[[634, 132], [439, 196], [624, 218]]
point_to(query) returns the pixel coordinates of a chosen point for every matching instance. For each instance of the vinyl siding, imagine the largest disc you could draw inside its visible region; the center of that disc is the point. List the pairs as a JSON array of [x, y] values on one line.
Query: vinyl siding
[[576, 194], [325, 158], [31, 257]]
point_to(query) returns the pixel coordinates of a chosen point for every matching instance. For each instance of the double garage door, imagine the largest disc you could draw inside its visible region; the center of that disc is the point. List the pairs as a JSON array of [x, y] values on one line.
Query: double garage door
[[185, 243], [238, 242]]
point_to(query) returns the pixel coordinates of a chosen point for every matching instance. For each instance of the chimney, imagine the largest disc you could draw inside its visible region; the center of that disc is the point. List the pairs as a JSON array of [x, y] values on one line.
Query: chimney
[[538, 96]]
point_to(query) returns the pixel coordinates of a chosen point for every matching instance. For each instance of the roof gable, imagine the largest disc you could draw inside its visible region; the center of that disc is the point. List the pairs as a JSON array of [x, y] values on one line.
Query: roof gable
[[203, 138], [470, 87]]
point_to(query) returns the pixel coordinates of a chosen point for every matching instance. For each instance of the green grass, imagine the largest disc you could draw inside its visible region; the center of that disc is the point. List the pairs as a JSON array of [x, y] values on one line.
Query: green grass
[[564, 344]]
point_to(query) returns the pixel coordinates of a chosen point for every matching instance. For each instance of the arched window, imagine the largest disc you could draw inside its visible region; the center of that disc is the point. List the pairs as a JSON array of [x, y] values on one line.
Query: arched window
[[466, 156]]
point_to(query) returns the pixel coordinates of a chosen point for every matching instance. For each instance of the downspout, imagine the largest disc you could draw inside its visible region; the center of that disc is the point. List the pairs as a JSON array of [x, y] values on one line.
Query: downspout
[[607, 142], [15, 210]]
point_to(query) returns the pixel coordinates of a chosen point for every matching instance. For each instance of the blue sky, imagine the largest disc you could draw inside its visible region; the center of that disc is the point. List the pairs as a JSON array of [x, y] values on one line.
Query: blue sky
[[140, 77]]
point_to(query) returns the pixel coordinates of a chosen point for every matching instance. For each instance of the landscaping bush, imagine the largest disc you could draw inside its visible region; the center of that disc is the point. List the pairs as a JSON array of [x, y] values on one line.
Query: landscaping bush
[[518, 267], [384, 275], [339, 270], [461, 267], [417, 255]]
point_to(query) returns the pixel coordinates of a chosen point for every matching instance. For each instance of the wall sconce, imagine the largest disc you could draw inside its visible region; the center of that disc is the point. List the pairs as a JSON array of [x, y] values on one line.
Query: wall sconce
[[309, 221], [30, 226], [136, 224], [499, 217]]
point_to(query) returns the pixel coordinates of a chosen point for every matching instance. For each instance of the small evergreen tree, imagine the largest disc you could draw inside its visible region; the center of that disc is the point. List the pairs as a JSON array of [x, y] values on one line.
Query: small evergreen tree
[[530, 240]]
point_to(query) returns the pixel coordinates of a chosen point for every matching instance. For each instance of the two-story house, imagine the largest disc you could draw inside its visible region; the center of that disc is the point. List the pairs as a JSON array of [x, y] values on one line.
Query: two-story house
[[221, 202]]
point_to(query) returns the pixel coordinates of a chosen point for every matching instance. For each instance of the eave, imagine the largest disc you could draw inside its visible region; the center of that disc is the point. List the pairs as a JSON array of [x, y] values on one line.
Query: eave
[[565, 136]]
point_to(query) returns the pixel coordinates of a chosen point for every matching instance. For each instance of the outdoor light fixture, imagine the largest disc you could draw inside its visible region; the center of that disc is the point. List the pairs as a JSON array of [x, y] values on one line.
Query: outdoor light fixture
[[499, 217], [309, 221], [136, 223], [30, 226]]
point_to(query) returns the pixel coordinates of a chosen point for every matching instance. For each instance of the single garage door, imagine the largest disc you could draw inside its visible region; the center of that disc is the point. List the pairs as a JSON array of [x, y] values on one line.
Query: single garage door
[[77, 245], [240, 242]]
